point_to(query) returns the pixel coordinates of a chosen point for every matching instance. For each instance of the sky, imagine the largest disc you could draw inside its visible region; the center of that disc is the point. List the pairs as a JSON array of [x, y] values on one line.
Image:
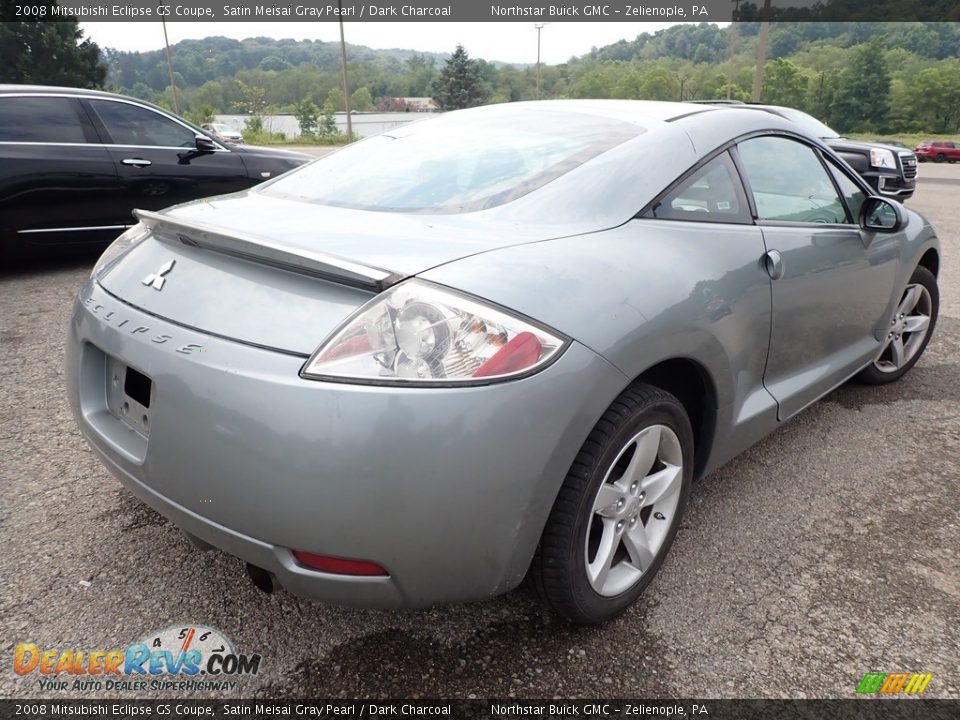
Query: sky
[[512, 42]]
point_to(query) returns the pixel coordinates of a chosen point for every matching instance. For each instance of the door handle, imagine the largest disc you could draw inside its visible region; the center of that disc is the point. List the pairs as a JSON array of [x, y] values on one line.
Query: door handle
[[136, 162], [773, 264]]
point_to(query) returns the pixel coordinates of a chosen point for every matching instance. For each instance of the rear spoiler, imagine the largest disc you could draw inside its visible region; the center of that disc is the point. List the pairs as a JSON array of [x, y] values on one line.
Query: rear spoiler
[[322, 265]]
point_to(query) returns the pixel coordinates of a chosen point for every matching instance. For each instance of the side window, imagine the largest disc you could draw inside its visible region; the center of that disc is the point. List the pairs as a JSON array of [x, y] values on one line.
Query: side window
[[789, 183], [135, 125], [41, 120], [712, 193], [851, 192]]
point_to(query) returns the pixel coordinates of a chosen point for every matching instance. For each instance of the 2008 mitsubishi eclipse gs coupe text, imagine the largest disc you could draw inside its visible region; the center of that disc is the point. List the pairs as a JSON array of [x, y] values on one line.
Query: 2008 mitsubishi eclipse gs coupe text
[[497, 344]]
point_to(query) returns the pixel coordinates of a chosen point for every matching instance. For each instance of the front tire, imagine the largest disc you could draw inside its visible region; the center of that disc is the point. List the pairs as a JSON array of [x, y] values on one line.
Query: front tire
[[910, 330], [618, 510]]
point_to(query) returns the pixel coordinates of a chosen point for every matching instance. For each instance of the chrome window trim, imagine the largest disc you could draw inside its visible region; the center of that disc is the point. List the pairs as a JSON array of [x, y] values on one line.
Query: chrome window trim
[[107, 98], [74, 229], [105, 145]]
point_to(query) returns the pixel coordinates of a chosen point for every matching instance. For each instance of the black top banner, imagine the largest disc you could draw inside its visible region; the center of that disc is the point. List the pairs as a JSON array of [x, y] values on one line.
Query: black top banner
[[484, 10]]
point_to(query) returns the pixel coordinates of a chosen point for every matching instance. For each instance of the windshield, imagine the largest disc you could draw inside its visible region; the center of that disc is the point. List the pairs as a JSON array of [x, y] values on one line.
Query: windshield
[[809, 124], [456, 163], [223, 128]]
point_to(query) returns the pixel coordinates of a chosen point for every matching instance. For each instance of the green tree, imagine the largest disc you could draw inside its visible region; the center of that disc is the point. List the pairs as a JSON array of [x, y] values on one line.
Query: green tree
[[660, 84], [361, 100], [307, 115], [862, 99], [421, 71], [931, 101], [273, 63], [47, 53], [327, 129], [200, 115], [254, 100], [785, 83], [459, 84], [336, 98]]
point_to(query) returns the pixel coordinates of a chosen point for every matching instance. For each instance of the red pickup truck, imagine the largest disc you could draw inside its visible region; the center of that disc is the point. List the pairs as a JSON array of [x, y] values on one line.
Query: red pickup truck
[[938, 151]]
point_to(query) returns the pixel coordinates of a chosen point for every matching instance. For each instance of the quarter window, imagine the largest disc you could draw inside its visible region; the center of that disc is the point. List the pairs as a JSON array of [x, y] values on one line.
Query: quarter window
[[134, 125], [40, 120], [712, 193], [789, 183]]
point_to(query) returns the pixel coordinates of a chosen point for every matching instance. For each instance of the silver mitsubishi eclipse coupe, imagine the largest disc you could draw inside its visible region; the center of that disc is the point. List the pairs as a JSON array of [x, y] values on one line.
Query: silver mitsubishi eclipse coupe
[[495, 345]]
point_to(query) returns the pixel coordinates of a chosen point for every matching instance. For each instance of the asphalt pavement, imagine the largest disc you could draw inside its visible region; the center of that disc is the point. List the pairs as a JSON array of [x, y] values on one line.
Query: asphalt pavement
[[829, 550]]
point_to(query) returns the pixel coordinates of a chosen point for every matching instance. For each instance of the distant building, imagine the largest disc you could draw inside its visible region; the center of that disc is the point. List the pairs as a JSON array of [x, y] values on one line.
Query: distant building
[[420, 104], [407, 104]]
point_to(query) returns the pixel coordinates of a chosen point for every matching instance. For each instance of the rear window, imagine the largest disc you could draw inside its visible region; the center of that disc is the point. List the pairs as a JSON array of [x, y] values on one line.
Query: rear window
[[808, 124], [40, 120], [455, 163]]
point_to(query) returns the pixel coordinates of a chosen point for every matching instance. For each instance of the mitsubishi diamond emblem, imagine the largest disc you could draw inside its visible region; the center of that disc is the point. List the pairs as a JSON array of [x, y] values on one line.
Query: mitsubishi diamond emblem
[[157, 279]]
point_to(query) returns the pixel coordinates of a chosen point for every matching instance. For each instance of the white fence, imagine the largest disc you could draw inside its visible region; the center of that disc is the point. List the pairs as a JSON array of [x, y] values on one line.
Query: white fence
[[364, 124]]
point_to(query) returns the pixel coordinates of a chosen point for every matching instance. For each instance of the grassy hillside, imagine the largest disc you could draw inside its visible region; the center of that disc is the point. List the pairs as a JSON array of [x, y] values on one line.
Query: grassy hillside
[[858, 77]]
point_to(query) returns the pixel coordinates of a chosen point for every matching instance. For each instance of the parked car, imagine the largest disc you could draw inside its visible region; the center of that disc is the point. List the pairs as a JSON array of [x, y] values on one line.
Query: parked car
[[224, 132], [890, 170], [938, 151], [75, 163], [520, 334]]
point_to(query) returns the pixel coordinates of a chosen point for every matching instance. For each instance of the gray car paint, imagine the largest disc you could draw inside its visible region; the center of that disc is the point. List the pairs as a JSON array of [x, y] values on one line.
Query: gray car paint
[[245, 454], [450, 488]]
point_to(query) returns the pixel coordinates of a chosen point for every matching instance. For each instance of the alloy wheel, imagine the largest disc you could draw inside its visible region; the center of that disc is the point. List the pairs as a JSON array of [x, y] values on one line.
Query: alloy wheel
[[633, 510], [908, 328]]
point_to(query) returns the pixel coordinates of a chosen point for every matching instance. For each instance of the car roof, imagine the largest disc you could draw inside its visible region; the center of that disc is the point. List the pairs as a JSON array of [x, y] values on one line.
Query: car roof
[[642, 112], [6, 89]]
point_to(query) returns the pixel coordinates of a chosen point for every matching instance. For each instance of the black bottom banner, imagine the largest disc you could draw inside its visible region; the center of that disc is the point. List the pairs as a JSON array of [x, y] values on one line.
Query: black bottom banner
[[866, 709]]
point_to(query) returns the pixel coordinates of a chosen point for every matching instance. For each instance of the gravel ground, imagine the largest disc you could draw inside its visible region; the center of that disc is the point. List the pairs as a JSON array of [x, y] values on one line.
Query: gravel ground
[[830, 549]]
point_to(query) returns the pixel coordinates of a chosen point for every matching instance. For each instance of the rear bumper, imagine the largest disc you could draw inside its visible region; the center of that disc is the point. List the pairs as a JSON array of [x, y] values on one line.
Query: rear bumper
[[448, 489]]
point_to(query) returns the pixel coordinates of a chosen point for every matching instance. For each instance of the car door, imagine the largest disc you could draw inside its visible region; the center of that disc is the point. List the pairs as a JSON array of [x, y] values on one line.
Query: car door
[[157, 158], [832, 281], [704, 221], [56, 179]]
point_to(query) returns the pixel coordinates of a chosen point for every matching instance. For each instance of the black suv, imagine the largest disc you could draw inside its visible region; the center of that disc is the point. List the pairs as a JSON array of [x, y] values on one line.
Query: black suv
[[890, 170], [75, 163]]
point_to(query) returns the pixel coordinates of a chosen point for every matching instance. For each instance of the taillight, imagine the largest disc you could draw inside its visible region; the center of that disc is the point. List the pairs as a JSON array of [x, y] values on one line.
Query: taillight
[[420, 333]]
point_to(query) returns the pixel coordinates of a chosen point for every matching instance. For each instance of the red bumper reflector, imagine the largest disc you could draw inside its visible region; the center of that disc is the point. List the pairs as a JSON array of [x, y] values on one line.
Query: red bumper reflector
[[338, 566]]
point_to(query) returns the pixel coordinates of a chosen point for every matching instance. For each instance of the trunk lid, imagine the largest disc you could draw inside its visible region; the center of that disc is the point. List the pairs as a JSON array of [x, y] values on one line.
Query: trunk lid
[[283, 274]]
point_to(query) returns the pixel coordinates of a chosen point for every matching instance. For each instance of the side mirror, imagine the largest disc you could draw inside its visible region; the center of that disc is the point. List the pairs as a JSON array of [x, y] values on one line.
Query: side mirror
[[205, 144], [878, 214]]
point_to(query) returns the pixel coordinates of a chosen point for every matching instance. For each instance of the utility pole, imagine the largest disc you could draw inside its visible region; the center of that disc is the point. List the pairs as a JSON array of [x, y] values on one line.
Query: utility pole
[[173, 84], [761, 51], [733, 48], [539, 27], [343, 67], [820, 96]]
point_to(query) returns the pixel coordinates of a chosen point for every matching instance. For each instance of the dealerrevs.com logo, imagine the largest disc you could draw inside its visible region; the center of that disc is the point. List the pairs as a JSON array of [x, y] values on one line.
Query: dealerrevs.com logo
[[179, 658]]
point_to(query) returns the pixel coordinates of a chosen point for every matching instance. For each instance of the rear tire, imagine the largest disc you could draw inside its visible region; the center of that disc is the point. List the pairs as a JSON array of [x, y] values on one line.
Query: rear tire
[[911, 328], [939, 158], [618, 510]]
